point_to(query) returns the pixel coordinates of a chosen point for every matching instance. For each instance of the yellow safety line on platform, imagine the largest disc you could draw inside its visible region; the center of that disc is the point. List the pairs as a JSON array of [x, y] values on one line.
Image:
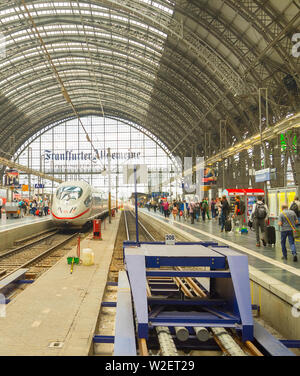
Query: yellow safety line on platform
[[231, 244]]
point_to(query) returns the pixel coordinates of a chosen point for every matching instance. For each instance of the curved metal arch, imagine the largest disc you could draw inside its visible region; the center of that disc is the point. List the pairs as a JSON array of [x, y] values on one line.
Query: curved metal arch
[[214, 62], [135, 36], [86, 71], [132, 90], [262, 22], [171, 114], [200, 74], [181, 99], [240, 47]]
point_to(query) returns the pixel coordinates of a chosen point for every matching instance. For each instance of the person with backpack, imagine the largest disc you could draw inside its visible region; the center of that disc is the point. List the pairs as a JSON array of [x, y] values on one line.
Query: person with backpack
[[295, 206], [259, 217], [239, 212]]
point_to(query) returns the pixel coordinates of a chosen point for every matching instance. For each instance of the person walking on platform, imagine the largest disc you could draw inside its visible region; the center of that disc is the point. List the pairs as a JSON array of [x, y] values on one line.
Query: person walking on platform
[[219, 208], [185, 210], [165, 206], [213, 208], [192, 211], [197, 211], [207, 209], [239, 212], [204, 209], [287, 222], [1, 204], [259, 217], [175, 211], [225, 210], [154, 206]]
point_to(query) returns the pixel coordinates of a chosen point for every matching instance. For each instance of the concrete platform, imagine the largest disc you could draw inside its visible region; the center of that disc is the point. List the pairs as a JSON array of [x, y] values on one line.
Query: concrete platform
[[19, 228], [60, 308]]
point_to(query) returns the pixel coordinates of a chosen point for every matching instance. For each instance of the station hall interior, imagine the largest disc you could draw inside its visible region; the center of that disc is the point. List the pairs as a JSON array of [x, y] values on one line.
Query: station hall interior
[[150, 178]]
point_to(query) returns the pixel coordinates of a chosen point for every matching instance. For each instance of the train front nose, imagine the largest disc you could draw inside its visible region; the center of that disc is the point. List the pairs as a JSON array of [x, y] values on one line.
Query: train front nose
[[64, 214]]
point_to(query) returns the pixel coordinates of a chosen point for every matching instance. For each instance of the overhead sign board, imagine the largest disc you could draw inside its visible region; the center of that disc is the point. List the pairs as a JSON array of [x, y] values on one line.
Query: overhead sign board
[[141, 174], [265, 175]]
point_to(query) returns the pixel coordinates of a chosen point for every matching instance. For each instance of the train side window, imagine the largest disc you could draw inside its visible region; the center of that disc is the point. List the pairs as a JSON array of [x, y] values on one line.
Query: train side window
[[97, 200], [88, 201]]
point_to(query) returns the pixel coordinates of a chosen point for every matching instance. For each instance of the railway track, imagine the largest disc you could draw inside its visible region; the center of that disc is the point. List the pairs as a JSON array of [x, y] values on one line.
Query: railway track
[[130, 225], [161, 340], [37, 255], [173, 345]]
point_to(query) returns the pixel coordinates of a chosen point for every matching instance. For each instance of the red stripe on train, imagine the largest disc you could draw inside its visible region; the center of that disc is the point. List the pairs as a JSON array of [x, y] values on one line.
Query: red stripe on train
[[70, 217]]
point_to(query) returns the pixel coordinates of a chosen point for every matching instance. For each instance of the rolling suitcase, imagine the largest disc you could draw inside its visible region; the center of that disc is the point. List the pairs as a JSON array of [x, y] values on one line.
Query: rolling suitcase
[[228, 225], [271, 235]]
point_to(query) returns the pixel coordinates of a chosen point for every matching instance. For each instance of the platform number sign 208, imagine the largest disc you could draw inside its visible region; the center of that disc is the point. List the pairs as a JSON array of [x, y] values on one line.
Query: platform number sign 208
[[170, 239]]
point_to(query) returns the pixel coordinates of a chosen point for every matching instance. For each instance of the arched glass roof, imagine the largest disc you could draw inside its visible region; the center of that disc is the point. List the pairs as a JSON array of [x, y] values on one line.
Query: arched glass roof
[[175, 67]]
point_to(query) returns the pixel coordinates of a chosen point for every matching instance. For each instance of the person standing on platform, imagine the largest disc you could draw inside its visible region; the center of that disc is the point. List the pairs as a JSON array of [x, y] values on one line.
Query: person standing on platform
[[287, 222], [46, 206], [1, 204], [259, 217], [295, 206], [207, 209], [225, 210], [192, 211]]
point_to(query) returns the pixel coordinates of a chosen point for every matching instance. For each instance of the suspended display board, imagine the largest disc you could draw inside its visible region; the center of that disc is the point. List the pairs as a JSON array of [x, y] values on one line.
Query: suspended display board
[[265, 175], [11, 178], [141, 174]]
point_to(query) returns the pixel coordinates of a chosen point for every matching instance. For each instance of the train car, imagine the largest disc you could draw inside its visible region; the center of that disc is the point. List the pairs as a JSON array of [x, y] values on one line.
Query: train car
[[75, 203]]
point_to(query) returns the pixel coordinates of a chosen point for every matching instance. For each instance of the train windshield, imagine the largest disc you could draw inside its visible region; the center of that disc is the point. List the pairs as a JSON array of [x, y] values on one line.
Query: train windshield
[[69, 193]]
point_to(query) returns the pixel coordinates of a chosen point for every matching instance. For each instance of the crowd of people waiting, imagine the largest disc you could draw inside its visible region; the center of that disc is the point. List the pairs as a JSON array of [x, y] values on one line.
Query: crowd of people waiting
[[36, 207], [220, 210]]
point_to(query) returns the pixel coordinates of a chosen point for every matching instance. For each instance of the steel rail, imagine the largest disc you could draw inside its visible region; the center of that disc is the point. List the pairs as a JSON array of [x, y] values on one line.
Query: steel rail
[[144, 228], [24, 246], [41, 255], [49, 250]]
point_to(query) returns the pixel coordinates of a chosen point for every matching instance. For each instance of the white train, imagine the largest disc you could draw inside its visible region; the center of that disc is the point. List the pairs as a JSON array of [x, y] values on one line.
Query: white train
[[76, 203]]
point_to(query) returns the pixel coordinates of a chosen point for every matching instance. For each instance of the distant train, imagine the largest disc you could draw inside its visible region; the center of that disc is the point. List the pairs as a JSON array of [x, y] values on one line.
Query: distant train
[[76, 203]]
